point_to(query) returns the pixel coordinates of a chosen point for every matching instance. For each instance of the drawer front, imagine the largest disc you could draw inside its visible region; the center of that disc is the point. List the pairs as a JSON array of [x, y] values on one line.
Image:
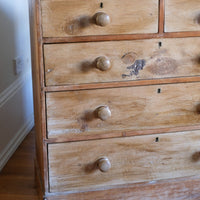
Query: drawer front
[[119, 110], [121, 61], [77, 166], [182, 15], [94, 17]]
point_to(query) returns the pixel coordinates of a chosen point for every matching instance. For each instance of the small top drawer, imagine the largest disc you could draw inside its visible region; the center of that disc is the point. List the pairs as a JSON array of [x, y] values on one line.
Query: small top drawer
[[94, 17], [182, 15]]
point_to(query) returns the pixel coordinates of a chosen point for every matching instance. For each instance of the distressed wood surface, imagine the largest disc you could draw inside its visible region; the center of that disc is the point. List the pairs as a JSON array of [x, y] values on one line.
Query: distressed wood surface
[[132, 109], [182, 15], [130, 60], [38, 94], [122, 84], [72, 17], [173, 189], [135, 159]]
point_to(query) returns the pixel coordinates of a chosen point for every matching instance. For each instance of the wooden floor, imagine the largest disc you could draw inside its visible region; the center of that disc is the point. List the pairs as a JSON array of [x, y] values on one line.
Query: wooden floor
[[17, 177]]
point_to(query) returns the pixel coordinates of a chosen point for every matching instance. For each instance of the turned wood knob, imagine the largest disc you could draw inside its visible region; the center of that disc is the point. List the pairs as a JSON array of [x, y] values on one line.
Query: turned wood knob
[[103, 63], [104, 164], [102, 19], [103, 113]]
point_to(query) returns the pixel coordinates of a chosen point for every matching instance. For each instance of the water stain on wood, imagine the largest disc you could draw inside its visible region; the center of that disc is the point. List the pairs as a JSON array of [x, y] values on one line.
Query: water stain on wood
[[135, 68], [129, 58], [163, 66]]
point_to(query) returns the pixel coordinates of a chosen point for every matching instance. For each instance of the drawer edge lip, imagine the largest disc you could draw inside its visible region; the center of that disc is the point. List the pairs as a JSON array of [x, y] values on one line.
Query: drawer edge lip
[[93, 38], [131, 83], [64, 139]]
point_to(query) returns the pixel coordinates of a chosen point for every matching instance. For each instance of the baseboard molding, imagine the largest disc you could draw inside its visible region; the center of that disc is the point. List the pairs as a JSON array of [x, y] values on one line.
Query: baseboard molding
[[12, 89], [16, 141]]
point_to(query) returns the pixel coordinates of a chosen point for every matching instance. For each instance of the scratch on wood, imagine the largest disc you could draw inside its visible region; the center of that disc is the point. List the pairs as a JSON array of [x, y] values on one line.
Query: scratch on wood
[[135, 68]]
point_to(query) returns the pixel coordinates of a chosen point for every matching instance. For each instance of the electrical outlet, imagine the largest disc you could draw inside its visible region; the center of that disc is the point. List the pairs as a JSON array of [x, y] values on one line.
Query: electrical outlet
[[18, 65]]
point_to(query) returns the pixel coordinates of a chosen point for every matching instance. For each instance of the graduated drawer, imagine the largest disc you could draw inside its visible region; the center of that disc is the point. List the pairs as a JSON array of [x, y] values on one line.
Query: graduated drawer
[[78, 166], [106, 112], [97, 62], [182, 15], [81, 18]]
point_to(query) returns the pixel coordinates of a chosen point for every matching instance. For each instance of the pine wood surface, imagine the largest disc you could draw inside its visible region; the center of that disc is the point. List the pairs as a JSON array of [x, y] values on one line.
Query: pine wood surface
[[38, 83], [130, 60], [73, 166], [182, 15], [17, 181], [136, 108], [177, 189], [70, 18], [185, 189]]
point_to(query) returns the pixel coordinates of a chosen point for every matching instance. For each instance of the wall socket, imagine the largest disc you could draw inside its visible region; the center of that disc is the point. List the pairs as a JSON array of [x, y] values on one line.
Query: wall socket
[[18, 65]]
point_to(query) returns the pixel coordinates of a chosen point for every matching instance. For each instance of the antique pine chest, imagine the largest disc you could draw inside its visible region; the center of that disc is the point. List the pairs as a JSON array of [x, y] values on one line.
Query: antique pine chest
[[117, 98]]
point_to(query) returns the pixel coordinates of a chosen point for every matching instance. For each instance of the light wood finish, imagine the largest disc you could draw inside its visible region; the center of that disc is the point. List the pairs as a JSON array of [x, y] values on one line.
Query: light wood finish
[[104, 164], [103, 63], [130, 60], [178, 189], [102, 19], [182, 15], [136, 108], [50, 40], [67, 98], [39, 95], [17, 181], [103, 113], [72, 17], [121, 84], [161, 16], [135, 159]]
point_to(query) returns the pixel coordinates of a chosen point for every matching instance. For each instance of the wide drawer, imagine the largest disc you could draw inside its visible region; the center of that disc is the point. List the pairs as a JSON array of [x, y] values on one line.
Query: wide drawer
[[97, 62], [182, 15], [94, 17], [77, 166], [105, 112]]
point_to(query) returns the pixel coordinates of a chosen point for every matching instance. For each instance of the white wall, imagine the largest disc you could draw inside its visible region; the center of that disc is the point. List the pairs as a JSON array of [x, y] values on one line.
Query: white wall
[[16, 100]]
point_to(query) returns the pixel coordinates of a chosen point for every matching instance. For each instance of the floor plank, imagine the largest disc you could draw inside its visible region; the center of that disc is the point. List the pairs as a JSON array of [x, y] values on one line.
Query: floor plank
[[17, 180]]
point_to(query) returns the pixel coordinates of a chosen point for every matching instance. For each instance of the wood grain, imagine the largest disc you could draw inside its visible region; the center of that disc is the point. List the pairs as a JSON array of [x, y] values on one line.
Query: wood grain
[[121, 84], [17, 177], [137, 159], [131, 60], [161, 16], [182, 15], [175, 189], [39, 95], [135, 109], [69, 18], [51, 40]]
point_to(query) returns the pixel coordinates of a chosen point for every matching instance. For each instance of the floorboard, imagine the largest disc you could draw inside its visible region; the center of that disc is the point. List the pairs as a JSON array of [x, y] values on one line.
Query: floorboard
[[17, 180]]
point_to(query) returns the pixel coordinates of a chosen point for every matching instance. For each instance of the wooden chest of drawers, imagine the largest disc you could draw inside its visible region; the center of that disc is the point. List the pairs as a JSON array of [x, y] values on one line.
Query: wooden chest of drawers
[[117, 98]]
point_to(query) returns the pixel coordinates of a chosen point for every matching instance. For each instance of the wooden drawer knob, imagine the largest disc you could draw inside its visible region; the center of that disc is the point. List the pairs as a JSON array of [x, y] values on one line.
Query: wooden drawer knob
[[103, 63], [104, 164], [102, 19], [103, 113]]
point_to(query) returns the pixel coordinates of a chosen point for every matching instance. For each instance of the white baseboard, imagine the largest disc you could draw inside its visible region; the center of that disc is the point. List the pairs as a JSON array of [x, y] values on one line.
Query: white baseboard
[[16, 141], [12, 89]]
